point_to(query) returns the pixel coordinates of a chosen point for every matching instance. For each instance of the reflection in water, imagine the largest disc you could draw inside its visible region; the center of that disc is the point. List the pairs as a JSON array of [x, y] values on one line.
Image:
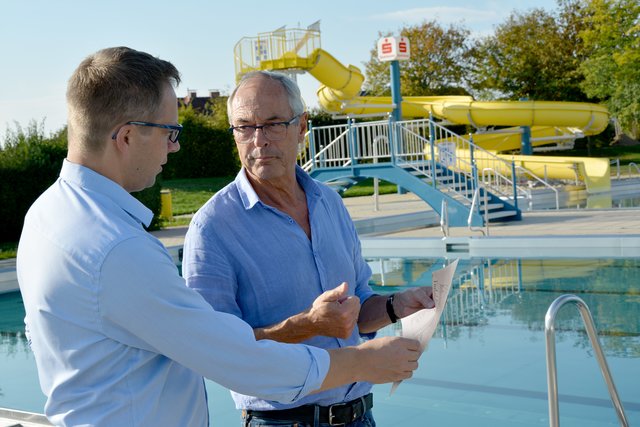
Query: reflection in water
[[486, 364], [524, 289]]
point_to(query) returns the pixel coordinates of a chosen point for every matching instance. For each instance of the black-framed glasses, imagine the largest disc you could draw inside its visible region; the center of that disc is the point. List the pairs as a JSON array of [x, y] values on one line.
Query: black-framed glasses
[[274, 132], [174, 136]]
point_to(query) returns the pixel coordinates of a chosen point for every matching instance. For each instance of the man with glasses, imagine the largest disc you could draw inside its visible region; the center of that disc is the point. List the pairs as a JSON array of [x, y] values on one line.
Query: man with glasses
[[118, 339], [279, 250]]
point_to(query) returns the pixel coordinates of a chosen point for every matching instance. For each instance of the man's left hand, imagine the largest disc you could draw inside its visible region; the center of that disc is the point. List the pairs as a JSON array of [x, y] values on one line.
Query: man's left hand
[[412, 300]]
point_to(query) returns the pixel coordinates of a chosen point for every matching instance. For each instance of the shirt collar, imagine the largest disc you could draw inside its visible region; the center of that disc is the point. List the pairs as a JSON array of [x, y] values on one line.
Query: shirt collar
[[250, 198], [92, 180]]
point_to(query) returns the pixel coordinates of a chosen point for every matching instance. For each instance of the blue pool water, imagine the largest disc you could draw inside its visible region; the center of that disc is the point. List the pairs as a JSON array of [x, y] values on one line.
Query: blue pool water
[[485, 365]]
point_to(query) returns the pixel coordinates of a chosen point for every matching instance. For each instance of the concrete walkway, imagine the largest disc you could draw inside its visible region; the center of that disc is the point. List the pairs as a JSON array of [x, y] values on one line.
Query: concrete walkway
[[564, 222]]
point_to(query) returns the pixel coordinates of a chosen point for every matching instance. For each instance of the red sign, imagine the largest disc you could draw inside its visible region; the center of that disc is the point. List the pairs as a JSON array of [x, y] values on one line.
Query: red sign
[[391, 48]]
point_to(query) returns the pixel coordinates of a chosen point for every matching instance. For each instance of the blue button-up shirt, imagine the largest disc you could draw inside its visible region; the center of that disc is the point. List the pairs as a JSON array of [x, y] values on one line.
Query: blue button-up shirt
[[254, 261], [118, 338]]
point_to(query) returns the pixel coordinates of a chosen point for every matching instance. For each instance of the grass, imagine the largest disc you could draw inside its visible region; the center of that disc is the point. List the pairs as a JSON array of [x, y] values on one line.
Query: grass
[[188, 195], [365, 188], [8, 250]]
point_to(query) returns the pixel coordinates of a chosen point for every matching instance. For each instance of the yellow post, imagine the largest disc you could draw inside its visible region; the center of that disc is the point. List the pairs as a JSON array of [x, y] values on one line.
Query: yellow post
[[165, 204]]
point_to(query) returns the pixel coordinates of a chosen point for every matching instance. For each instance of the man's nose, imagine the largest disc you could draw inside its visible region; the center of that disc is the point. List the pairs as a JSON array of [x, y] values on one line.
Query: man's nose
[[259, 139]]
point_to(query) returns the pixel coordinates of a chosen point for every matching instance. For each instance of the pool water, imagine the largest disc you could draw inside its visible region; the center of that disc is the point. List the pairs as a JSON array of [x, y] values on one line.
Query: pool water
[[486, 364]]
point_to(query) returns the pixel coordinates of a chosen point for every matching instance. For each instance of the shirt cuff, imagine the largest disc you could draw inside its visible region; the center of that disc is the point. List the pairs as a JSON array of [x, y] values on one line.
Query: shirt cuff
[[316, 376]]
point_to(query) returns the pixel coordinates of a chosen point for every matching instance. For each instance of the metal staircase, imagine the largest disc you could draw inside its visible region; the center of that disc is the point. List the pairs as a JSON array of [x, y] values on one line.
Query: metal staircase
[[419, 156]]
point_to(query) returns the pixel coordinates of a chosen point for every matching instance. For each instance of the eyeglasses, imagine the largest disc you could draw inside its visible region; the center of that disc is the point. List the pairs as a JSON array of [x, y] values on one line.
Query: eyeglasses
[[274, 132], [174, 135]]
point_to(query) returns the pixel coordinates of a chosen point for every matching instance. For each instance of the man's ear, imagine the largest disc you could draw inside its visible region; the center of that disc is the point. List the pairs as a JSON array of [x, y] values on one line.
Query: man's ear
[[123, 138], [303, 124]]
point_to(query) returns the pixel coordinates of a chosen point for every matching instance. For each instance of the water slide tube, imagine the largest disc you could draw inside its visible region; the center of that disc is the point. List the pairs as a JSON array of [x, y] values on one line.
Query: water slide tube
[[341, 84]]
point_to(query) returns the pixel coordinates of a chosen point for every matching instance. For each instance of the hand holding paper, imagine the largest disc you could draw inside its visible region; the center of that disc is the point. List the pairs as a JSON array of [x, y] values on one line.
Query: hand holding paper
[[422, 324]]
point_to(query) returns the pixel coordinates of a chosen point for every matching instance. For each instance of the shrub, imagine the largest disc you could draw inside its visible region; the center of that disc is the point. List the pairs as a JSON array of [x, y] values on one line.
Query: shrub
[[206, 150], [29, 164]]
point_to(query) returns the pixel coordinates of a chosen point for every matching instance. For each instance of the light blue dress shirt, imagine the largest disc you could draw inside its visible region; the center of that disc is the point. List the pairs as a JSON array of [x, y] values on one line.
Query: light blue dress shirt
[[254, 261], [118, 338]]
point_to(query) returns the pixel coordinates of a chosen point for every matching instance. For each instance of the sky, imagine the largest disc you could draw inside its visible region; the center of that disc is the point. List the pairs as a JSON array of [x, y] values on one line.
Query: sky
[[43, 41]]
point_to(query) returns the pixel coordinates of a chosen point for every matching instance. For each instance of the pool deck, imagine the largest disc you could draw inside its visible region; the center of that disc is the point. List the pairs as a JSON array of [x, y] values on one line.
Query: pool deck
[[406, 226], [405, 223]]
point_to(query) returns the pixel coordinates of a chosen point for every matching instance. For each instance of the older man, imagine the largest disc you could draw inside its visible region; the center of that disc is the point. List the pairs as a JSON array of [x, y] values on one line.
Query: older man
[[279, 250], [117, 337]]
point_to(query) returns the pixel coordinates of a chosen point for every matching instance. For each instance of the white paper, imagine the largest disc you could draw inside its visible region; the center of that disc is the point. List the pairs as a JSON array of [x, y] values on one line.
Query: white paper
[[422, 324]]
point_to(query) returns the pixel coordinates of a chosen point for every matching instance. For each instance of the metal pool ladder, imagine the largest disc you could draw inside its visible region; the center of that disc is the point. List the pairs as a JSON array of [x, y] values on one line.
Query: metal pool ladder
[[552, 379]]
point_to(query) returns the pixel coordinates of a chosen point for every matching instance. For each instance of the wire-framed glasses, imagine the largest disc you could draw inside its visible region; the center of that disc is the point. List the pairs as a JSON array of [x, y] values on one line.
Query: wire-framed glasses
[[273, 132], [174, 135]]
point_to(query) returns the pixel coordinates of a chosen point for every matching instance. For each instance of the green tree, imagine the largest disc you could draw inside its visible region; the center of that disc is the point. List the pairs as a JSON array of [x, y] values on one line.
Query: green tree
[[533, 54], [437, 65], [612, 68], [217, 111], [319, 117]]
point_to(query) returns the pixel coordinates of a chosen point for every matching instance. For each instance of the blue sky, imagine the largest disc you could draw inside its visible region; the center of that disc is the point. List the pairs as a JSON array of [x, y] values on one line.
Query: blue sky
[[42, 41]]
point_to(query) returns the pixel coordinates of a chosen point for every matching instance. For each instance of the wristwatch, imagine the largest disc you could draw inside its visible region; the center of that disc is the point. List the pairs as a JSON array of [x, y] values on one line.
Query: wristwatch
[[390, 311]]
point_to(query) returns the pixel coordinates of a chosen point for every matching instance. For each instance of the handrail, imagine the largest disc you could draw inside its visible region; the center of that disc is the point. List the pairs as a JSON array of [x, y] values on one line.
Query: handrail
[[552, 378], [635, 166], [444, 218], [474, 201], [545, 183], [617, 163]]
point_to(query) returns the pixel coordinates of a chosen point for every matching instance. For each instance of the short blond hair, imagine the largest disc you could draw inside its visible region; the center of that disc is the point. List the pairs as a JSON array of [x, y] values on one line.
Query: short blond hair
[[111, 87]]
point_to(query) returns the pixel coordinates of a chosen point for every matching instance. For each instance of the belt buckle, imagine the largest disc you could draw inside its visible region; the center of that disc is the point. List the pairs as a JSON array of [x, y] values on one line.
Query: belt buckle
[[332, 417], [354, 412]]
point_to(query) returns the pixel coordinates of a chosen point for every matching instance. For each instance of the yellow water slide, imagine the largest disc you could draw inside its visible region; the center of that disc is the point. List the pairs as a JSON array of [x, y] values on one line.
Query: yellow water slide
[[549, 121]]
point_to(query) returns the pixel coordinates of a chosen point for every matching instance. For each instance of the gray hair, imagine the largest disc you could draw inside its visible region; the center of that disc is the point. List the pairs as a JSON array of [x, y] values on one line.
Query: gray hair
[[290, 86], [111, 87]]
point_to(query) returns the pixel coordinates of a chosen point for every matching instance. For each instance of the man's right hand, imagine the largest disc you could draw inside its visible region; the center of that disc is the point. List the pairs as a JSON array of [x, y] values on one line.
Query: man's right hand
[[389, 359], [377, 361], [334, 313]]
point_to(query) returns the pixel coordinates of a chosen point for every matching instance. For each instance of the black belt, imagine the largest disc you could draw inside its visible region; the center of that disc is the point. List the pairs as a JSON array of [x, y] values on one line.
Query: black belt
[[335, 415]]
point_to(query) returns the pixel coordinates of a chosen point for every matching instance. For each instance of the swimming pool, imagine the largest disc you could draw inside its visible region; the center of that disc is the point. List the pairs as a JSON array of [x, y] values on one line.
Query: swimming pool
[[486, 364]]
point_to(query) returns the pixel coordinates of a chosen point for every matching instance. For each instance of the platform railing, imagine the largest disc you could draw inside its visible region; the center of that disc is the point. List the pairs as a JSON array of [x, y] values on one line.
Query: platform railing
[[552, 377], [428, 150]]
